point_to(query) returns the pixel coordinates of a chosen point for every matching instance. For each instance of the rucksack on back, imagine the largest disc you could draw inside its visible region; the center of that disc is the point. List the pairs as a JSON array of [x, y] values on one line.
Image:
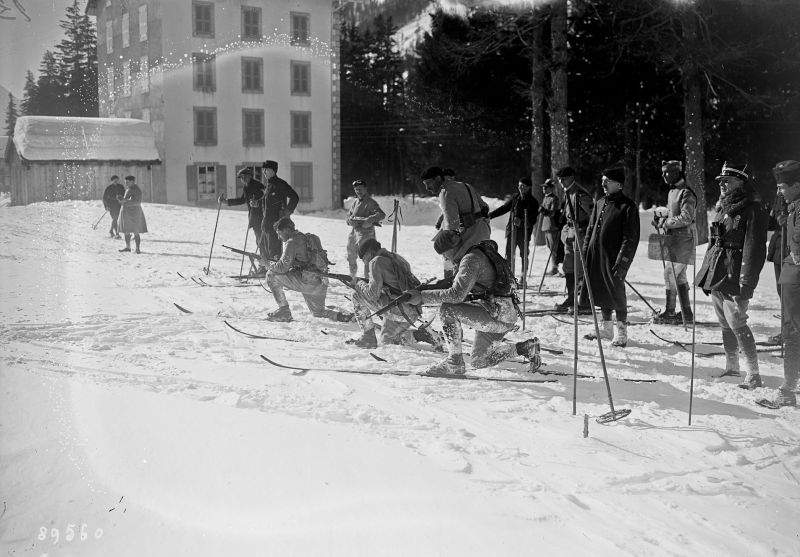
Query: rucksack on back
[[505, 283], [317, 255]]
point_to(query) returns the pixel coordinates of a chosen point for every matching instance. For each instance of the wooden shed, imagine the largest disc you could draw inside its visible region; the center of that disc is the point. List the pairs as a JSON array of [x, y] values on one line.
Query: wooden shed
[[52, 158]]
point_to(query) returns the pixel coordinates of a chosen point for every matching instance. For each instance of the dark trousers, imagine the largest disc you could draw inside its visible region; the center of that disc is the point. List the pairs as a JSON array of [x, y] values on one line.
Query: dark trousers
[[791, 336], [521, 241], [114, 217]]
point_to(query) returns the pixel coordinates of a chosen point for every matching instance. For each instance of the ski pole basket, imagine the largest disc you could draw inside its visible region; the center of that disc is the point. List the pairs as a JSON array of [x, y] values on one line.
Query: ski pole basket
[[613, 416]]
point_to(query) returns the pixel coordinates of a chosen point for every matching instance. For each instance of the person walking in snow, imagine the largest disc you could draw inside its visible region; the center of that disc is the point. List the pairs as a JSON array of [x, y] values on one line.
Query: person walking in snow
[[518, 237], [580, 201], [280, 200], [609, 247], [291, 272], [677, 238], [253, 195], [362, 218], [131, 216], [111, 203], [550, 212], [389, 276], [787, 175], [731, 267], [481, 297]]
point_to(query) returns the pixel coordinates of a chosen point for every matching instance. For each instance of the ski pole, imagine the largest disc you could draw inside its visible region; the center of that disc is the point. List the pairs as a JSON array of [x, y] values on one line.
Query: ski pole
[[512, 241], [694, 318], [95, 225], [395, 223], [244, 249], [546, 265], [614, 415], [783, 254], [214, 237], [525, 264], [640, 296], [535, 236]]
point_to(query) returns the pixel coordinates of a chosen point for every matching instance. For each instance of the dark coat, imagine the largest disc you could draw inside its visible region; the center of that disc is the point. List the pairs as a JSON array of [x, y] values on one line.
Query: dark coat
[[737, 247], [253, 191], [773, 250], [281, 200], [790, 273], [131, 216], [609, 246], [110, 201], [517, 205]]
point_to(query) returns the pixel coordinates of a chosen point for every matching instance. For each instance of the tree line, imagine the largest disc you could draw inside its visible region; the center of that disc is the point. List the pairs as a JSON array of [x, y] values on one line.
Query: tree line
[[67, 80], [501, 93]]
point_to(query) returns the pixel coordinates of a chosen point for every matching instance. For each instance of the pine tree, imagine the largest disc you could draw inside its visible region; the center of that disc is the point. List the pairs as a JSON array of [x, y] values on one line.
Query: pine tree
[[78, 63], [11, 116], [29, 97], [50, 87]]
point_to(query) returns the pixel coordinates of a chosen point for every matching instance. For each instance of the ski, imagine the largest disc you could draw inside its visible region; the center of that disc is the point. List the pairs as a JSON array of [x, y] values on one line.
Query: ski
[[180, 275], [251, 335], [406, 373], [771, 404], [587, 322], [197, 282], [585, 376], [183, 309], [719, 343], [687, 347]]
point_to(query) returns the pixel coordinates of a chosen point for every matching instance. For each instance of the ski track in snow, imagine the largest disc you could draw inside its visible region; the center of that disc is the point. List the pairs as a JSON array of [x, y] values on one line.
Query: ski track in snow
[[75, 308]]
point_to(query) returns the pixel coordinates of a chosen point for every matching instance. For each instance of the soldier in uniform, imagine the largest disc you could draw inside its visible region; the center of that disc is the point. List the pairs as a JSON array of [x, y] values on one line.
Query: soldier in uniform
[[736, 252], [677, 237], [517, 205], [280, 200], [787, 174], [253, 195], [475, 300], [580, 201], [364, 215], [292, 271]]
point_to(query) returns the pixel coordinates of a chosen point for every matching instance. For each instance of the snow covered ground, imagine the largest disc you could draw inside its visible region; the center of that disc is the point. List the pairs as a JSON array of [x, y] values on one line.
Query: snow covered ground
[[130, 428]]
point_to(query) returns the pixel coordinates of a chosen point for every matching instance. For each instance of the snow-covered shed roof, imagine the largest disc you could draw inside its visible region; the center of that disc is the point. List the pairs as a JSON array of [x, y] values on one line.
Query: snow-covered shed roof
[[63, 138]]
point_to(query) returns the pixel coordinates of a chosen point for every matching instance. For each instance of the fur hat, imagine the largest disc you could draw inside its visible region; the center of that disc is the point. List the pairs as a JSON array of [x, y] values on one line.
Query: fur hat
[[734, 171], [271, 165], [787, 172], [617, 174], [565, 172], [526, 180], [446, 240], [131, 178]]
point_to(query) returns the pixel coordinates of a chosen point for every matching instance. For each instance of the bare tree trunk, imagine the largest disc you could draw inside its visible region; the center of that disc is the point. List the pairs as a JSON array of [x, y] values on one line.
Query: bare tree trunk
[[629, 154], [693, 121], [537, 104], [559, 118]]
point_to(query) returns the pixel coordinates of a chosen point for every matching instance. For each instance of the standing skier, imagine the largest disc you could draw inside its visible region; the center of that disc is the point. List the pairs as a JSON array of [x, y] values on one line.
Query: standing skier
[[518, 204], [733, 262], [580, 201], [364, 215], [551, 222], [111, 203], [609, 246], [253, 195], [677, 238], [280, 200], [131, 216]]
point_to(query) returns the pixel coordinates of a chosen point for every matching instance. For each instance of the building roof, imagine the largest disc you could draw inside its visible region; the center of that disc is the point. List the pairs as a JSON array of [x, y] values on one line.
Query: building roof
[[62, 138]]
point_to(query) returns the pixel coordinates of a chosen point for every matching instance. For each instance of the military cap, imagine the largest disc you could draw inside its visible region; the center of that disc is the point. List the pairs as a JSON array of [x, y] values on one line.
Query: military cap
[[734, 171], [787, 172], [617, 174]]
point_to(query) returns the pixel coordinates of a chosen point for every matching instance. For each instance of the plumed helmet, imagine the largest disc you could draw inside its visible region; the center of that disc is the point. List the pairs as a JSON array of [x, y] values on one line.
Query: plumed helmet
[[734, 171]]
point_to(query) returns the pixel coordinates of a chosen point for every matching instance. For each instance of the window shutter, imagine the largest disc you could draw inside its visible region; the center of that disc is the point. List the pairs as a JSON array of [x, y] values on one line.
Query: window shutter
[[191, 183], [222, 180]]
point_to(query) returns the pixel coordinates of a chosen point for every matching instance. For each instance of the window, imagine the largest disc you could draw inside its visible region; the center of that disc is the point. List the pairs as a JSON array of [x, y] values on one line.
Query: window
[[202, 19], [126, 78], [110, 81], [302, 180], [205, 126], [301, 78], [251, 23], [299, 28], [143, 22], [144, 74], [146, 114], [252, 126], [301, 129], [206, 181], [252, 68], [204, 78], [126, 37], [109, 36]]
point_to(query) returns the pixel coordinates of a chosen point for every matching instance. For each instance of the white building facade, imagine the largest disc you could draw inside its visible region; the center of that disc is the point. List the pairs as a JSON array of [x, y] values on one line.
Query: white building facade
[[227, 84]]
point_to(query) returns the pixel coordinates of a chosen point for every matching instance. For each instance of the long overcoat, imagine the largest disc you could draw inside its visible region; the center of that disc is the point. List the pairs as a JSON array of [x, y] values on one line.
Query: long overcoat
[[131, 217], [609, 246]]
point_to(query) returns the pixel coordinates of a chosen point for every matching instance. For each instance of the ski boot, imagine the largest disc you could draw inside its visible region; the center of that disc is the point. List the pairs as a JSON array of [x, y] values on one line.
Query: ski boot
[[606, 331], [367, 340], [344, 317], [783, 399], [751, 381], [531, 350], [282, 315], [620, 339], [452, 365]]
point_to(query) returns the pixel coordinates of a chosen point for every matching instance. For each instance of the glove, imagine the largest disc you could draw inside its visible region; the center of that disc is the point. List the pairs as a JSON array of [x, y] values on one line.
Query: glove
[[619, 273], [782, 218], [221, 198], [795, 258], [517, 222], [658, 222], [745, 292], [416, 297]]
